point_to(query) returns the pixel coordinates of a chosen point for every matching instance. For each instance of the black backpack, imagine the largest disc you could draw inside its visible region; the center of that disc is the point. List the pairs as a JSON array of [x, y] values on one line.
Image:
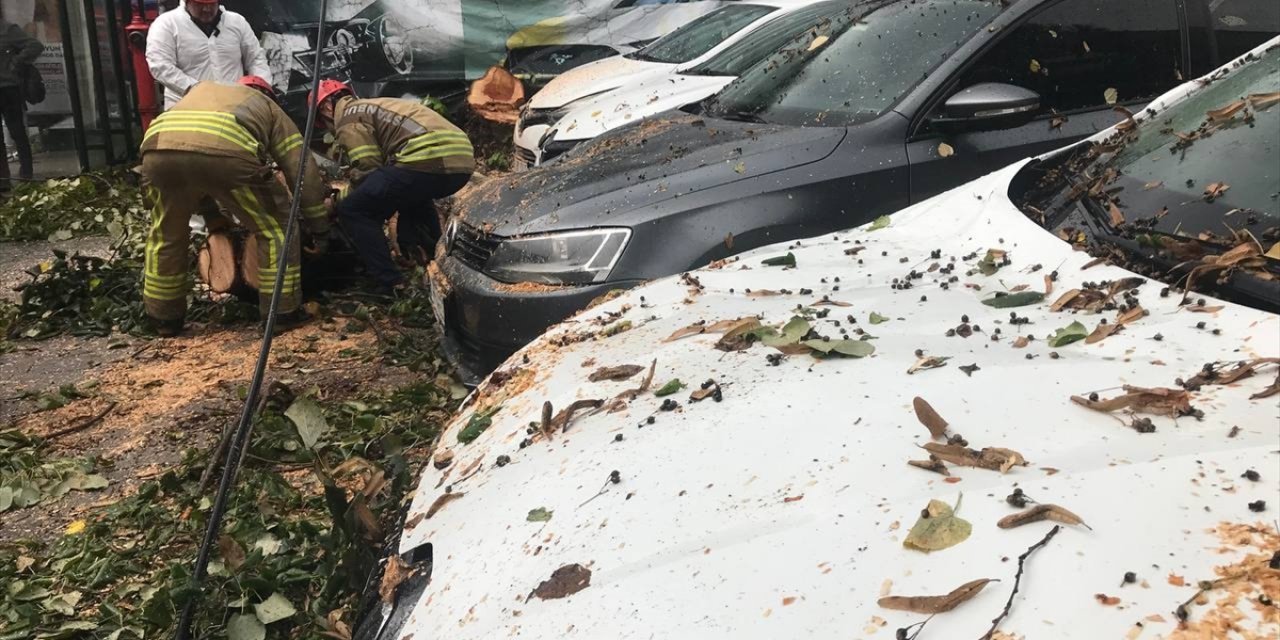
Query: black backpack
[[32, 84]]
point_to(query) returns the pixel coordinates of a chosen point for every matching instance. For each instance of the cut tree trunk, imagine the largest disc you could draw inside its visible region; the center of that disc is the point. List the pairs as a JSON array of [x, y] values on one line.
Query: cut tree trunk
[[249, 261], [217, 262]]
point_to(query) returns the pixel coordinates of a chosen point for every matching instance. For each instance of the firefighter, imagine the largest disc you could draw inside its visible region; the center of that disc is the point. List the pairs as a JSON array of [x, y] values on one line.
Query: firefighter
[[220, 141], [403, 155]]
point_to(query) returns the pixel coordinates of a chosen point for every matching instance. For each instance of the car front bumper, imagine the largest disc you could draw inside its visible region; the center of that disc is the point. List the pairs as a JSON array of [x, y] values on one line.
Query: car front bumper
[[527, 148], [485, 321]]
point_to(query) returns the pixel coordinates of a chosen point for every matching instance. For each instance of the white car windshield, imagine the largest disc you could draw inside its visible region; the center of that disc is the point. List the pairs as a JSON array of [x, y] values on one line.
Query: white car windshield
[[855, 66], [701, 35]]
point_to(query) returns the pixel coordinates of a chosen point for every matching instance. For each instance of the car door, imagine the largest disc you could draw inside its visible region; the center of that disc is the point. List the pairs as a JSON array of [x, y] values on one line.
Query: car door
[[1082, 57]]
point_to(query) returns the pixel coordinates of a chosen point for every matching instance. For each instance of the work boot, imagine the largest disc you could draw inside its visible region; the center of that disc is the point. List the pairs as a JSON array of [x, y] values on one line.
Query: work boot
[[166, 328], [289, 320]]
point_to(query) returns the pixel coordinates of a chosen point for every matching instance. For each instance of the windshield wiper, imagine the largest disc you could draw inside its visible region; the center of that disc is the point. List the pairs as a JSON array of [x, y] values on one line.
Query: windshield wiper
[[739, 115]]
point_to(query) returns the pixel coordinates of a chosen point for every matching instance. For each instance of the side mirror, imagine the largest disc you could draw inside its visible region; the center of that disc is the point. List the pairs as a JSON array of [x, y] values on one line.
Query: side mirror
[[987, 106]]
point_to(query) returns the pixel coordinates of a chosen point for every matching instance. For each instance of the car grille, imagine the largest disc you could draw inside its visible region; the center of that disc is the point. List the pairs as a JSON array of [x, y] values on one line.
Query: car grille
[[473, 246], [526, 157]]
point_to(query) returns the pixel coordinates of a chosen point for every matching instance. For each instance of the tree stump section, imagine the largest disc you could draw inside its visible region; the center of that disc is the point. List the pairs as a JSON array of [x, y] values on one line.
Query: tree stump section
[[216, 262]]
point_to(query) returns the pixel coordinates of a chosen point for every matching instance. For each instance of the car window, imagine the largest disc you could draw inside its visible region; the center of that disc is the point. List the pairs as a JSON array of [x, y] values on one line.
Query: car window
[[766, 39], [856, 66], [699, 36], [1083, 54], [1240, 25]]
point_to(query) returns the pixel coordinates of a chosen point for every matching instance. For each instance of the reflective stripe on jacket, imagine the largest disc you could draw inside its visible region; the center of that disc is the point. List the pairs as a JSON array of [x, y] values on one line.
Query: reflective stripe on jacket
[[376, 132], [236, 121]]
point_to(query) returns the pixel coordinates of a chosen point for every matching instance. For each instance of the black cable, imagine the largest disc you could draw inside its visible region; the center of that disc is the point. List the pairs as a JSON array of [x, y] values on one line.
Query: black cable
[[241, 438]]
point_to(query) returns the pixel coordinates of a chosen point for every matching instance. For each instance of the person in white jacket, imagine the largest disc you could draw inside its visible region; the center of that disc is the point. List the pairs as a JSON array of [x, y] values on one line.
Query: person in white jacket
[[202, 41]]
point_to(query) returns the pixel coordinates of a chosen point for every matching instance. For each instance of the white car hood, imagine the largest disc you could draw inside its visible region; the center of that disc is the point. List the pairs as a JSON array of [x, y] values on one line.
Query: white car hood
[[593, 78], [655, 95], [781, 512]]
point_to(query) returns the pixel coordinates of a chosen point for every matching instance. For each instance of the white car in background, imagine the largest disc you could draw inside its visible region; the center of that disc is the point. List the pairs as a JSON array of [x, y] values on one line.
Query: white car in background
[[996, 414], [688, 47]]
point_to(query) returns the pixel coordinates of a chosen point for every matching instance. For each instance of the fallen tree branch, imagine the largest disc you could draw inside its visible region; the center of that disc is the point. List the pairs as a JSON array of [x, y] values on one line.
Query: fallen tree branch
[[1017, 581], [83, 425]]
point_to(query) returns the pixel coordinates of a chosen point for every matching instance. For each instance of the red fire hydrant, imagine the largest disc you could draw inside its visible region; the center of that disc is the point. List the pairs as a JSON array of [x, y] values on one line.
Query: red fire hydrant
[[144, 84]]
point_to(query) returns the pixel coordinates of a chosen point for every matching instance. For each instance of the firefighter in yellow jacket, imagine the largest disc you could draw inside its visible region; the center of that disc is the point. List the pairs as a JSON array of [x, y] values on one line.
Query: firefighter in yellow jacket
[[402, 155], [219, 141]]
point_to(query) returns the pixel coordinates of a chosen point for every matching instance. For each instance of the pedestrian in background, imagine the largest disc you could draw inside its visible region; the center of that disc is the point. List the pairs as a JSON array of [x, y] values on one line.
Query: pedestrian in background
[[17, 50], [202, 41]]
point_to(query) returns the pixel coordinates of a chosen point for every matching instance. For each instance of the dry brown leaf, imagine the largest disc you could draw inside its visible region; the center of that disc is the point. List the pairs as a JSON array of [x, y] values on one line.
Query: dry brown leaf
[[1016, 289], [395, 573], [1064, 300], [1215, 190], [564, 582], [993, 458], [1158, 401], [1020, 342], [440, 502], [1040, 512], [1200, 308], [1048, 285], [1226, 113], [1117, 216], [702, 394], [936, 425], [935, 604], [1133, 314], [618, 373], [932, 464], [793, 498], [1102, 332], [1260, 101], [928, 362], [830, 303], [1269, 391], [232, 553], [1177, 580], [945, 150], [763, 293], [1152, 185], [1106, 600]]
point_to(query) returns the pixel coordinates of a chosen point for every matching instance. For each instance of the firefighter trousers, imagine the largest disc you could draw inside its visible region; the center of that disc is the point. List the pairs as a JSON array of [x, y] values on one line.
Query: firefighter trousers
[[176, 182], [379, 196]]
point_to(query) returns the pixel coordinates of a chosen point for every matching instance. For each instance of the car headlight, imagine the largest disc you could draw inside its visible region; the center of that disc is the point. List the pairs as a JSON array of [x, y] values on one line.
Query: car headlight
[[572, 257]]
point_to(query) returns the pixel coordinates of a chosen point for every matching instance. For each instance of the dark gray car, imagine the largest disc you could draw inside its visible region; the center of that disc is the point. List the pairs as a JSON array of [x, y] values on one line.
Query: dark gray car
[[879, 106]]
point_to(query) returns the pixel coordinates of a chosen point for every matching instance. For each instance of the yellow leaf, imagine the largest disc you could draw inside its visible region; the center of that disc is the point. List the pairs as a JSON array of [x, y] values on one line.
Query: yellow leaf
[[818, 42], [1273, 252], [945, 150], [75, 527], [46, 266], [1035, 66], [1111, 95]]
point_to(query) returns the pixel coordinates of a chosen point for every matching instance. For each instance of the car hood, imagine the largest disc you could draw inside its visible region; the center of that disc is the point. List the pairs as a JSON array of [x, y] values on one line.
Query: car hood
[[782, 511], [636, 101], [637, 166], [594, 78]]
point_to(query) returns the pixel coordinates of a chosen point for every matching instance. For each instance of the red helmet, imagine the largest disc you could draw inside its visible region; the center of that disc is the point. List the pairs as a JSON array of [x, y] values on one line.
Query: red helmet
[[328, 89], [260, 84]]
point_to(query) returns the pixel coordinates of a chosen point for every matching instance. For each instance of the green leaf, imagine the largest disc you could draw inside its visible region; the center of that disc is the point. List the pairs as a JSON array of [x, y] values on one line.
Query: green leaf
[[877, 318], [48, 402], [669, 388], [245, 627], [308, 417], [1068, 334], [851, 348], [791, 333], [539, 515], [276, 607], [6, 499], [938, 528], [1020, 299], [879, 223], [93, 482], [788, 260], [479, 421]]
